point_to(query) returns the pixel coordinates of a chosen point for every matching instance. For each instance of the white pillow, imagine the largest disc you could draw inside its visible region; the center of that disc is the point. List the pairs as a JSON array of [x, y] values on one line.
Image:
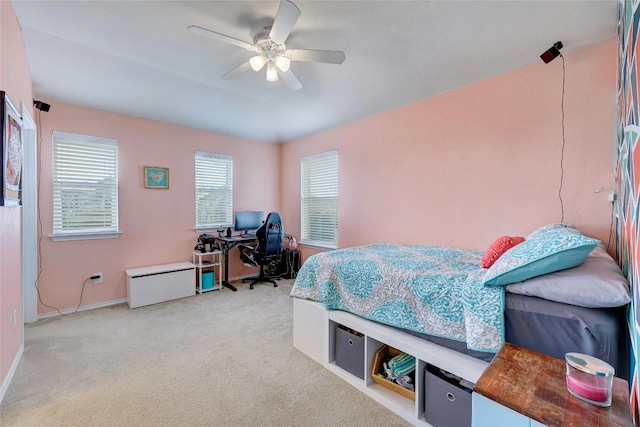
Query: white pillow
[[597, 282]]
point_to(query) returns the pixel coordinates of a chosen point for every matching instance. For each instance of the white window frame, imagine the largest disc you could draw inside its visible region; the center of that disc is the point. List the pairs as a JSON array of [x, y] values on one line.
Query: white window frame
[[221, 166], [319, 186], [97, 161]]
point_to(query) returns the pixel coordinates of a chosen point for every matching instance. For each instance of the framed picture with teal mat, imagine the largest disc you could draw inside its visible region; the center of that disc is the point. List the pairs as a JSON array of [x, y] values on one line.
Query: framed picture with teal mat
[[156, 177]]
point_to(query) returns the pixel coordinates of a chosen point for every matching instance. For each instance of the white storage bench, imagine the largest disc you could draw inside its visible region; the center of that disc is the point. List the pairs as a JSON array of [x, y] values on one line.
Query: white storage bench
[[159, 283]]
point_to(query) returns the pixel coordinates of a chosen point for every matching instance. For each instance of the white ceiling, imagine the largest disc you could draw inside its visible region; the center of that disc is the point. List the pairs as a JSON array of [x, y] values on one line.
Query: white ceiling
[[137, 57]]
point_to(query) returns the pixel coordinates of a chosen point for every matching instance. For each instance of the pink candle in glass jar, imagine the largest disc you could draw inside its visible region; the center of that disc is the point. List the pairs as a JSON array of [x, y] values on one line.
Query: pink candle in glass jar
[[592, 387], [589, 378]]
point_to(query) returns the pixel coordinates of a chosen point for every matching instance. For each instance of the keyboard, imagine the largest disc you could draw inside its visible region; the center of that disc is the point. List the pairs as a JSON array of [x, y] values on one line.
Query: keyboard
[[248, 236]]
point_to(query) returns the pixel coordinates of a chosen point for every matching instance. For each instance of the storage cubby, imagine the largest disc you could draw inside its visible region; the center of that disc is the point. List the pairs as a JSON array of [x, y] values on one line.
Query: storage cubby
[[447, 398], [349, 351], [207, 264], [315, 331], [385, 354]]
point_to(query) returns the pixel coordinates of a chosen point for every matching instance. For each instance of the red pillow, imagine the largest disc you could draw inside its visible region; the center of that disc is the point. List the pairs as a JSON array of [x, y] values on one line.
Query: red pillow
[[499, 247]]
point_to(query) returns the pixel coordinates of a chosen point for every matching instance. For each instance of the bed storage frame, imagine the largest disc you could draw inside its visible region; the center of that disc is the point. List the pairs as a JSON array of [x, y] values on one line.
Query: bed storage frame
[[314, 329], [408, 291]]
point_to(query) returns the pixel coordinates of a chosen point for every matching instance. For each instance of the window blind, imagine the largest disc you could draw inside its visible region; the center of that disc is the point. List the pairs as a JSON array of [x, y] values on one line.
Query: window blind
[[214, 190], [85, 184], [319, 199]]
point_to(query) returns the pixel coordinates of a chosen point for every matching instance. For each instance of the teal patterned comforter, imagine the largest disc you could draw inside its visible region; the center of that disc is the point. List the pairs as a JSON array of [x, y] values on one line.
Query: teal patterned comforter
[[428, 289]]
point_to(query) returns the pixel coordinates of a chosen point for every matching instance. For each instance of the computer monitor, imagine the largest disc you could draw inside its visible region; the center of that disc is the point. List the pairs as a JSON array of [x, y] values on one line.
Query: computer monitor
[[248, 220]]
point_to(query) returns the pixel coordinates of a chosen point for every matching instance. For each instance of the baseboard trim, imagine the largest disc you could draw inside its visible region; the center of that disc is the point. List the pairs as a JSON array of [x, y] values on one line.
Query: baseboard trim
[[7, 381], [83, 308]]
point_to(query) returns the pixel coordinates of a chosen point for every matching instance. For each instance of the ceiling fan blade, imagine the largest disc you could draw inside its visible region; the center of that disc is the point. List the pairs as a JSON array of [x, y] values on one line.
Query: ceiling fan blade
[[290, 79], [220, 37], [309, 55], [288, 14], [237, 71]]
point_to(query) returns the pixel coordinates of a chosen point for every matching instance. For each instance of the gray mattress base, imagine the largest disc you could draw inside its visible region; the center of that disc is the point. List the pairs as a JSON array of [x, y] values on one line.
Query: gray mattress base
[[554, 329]]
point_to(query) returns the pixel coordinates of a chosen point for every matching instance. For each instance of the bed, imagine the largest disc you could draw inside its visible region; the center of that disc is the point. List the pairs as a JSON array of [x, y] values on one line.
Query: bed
[[554, 291]]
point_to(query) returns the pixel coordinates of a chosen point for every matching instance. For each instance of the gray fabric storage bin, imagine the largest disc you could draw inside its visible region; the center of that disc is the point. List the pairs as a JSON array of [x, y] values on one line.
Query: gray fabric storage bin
[[447, 399], [350, 351]]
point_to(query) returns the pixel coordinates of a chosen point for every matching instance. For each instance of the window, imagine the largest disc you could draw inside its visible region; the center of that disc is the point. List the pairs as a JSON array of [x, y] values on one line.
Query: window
[[319, 199], [85, 187], [214, 190]]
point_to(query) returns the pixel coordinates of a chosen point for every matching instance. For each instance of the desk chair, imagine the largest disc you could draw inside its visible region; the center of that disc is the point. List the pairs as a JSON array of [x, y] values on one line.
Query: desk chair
[[268, 252]]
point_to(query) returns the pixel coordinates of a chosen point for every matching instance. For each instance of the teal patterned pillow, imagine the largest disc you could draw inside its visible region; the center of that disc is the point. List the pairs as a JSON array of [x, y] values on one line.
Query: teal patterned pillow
[[551, 229], [550, 248]]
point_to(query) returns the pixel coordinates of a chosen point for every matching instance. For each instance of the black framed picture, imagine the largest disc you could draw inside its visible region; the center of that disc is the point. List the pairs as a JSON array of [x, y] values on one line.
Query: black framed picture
[[12, 152]]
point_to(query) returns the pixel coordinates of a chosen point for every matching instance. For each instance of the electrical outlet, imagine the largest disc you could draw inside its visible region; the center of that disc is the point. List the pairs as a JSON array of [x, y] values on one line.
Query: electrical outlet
[[15, 318], [612, 197], [97, 278]]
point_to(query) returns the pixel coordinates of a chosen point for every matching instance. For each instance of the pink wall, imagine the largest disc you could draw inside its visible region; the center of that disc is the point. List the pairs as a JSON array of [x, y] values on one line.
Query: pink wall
[[465, 167], [157, 225], [15, 79], [458, 169]]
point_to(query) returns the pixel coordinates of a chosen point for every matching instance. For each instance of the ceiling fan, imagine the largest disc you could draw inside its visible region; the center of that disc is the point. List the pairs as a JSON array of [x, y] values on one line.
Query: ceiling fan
[[269, 46]]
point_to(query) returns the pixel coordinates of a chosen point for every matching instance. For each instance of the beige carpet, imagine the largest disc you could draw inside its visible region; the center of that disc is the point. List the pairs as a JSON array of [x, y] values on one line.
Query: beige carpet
[[218, 359]]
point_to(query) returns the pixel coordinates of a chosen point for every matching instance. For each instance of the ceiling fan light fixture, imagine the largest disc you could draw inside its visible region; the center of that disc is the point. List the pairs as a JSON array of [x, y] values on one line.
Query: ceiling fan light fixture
[[283, 63], [257, 62], [272, 73], [269, 48]]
